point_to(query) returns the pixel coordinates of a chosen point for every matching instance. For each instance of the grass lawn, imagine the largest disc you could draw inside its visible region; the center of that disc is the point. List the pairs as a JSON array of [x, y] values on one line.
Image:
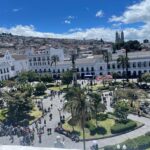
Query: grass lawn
[[95, 87], [2, 114], [58, 88], [107, 124], [148, 149], [35, 114]]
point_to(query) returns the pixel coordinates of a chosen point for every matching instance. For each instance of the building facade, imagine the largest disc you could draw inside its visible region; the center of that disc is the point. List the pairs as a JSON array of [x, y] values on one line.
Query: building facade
[[40, 62], [139, 63], [12, 64]]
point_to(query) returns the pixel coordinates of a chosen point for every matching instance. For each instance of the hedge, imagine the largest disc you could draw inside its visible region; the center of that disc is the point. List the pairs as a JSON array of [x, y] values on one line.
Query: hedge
[[122, 127], [91, 127], [139, 143], [102, 117], [95, 130]]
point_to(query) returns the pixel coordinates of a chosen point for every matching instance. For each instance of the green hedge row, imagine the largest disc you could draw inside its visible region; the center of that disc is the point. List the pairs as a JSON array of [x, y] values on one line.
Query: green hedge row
[[91, 127], [102, 117], [95, 130], [140, 143], [122, 127]]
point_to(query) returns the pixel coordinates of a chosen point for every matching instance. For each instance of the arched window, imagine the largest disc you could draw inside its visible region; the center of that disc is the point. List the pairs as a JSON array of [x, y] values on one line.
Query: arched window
[[87, 69], [101, 68], [92, 68], [82, 69]]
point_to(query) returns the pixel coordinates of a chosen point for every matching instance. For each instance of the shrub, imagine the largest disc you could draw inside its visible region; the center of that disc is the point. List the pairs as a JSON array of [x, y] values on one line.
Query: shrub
[[73, 121], [122, 127], [102, 117], [139, 143], [101, 130], [40, 89], [91, 127], [103, 88]]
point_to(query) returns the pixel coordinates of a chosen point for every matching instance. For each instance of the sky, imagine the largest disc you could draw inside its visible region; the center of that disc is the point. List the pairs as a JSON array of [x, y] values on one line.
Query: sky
[[79, 19]]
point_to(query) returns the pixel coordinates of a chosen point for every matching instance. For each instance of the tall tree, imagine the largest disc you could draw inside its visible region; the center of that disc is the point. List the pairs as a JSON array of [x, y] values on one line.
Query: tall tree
[[107, 56], [121, 111], [54, 60], [115, 75], [81, 107], [19, 106], [123, 61], [67, 77], [97, 105]]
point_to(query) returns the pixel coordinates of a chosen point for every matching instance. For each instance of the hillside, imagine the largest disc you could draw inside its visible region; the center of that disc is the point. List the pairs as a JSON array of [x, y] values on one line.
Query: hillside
[[19, 44]]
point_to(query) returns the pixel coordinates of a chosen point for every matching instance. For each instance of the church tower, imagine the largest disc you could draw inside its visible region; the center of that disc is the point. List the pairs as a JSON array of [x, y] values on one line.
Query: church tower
[[117, 37], [122, 37]]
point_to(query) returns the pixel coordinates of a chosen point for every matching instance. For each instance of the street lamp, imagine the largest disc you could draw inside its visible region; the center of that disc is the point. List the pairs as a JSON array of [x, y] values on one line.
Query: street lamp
[[124, 147], [118, 146], [59, 110]]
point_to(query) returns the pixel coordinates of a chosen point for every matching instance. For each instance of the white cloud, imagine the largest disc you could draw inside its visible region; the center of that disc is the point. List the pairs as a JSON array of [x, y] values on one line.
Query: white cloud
[[71, 17], [99, 14], [16, 9], [139, 12], [75, 30], [67, 22], [107, 34]]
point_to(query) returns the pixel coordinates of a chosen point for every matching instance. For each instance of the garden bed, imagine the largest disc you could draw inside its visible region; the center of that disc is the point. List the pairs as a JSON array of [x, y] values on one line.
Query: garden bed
[[104, 129]]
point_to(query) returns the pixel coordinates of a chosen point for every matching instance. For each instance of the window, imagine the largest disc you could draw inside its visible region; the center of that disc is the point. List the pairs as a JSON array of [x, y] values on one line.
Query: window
[[101, 68], [139, 64], [34, 59], [134, 65], [12, 68], [87, 69], [144, 64], [118, 66], [92, 68], [113, 66], [82, 69]]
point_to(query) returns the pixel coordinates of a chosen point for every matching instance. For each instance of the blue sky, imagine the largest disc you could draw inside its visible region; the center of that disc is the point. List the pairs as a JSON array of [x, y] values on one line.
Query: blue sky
[[62, 17]]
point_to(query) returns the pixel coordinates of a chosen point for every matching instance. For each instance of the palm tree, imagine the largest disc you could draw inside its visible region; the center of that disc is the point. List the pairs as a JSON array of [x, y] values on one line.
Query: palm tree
[[80, 105], [123, 61], [97, 105], [54, 60], [115, 75], [107, 57]]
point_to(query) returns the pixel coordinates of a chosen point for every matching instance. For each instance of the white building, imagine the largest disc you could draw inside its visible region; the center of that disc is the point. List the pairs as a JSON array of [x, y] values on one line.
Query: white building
[[139, 62], [11, 65], [40, 61]]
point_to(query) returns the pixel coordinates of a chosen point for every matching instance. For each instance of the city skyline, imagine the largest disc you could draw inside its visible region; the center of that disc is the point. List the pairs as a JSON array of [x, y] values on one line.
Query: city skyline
[[76, 19]]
